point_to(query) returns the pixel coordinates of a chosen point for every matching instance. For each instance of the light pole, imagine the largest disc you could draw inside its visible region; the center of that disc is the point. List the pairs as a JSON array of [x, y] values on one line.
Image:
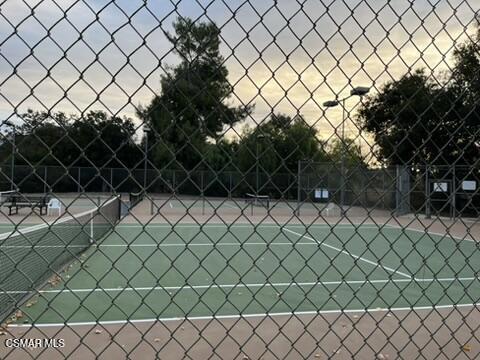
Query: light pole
[[356, 91], [257, 180], [12, 163], [14, 150], [146, 130]]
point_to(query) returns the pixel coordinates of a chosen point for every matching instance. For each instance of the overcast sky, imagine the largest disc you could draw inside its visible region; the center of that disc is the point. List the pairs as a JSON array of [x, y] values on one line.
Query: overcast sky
[[288, 57]]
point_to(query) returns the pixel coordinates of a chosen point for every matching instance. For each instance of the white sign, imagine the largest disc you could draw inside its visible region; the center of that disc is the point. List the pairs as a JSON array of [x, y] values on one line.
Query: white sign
[[469, 185], [440, 187], [321, 194]]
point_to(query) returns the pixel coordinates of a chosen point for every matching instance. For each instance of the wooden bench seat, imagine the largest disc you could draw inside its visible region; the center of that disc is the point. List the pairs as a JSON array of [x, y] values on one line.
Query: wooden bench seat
[[32, 201]]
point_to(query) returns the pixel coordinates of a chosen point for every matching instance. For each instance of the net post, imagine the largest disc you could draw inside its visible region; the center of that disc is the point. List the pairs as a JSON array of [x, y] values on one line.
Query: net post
[[91, 228], [119, 207]]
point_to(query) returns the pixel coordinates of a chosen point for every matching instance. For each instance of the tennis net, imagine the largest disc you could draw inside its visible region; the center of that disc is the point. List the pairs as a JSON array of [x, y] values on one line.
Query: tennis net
[[136, 198], [258, 200], [30, 256]]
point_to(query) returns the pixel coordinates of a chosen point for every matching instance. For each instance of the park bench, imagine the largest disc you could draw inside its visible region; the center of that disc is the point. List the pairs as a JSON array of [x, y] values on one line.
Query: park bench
[[32, 201]]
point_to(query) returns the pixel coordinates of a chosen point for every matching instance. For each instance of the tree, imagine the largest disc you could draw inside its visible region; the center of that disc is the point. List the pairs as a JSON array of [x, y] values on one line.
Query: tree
[[465, 89], [281, 142], [219, 156], [348, 150], [55, 139], [407, 119], [39, 138], [104, 141], [191, 108], [417, 120]]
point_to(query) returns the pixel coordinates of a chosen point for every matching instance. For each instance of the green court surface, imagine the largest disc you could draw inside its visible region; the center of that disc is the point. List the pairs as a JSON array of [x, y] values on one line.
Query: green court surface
[[164, 272]]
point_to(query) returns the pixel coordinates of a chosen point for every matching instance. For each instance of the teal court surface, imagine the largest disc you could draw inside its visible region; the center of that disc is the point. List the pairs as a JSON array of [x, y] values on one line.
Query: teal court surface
[[158, 271]]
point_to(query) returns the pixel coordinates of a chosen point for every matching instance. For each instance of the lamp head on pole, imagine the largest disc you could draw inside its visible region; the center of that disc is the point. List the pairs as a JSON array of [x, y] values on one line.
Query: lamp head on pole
[[359, 91], [331, 103]]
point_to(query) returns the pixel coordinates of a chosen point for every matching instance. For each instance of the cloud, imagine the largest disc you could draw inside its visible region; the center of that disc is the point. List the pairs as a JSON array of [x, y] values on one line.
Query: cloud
[[287, 57]]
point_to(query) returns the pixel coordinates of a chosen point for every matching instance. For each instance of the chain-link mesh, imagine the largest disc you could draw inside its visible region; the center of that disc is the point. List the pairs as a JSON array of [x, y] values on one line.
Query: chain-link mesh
[[239, 179]]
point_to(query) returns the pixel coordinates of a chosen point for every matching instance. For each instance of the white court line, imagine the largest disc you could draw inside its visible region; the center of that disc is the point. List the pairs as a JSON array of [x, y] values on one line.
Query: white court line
[[160, 245], [389, 269], [195, 226], [231, 206], [241, 285], [427, 232], [246, 316], [237, 244]]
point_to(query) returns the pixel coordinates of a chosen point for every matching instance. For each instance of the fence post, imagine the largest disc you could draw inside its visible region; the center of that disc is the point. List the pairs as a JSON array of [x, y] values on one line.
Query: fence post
[[202, 195], [402, 190], [428, 214], [79, 186], [298, 187], [173, 183], [111, 180], [454, 195], [230, 185], [45, 179]]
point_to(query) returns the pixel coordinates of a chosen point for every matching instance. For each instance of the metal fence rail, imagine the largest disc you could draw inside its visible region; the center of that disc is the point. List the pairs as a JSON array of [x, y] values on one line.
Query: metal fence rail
[[240, 180]]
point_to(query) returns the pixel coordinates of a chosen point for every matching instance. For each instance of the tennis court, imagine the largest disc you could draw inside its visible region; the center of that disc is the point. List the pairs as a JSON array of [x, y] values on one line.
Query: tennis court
[[159, 271], [253, 205]]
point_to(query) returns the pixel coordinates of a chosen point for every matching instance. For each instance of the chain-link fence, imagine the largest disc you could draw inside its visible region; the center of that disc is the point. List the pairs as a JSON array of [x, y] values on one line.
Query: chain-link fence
[[239, 179]]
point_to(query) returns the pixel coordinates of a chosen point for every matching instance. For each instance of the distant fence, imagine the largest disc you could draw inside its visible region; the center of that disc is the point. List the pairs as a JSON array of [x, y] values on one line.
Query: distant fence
[[401, 189]]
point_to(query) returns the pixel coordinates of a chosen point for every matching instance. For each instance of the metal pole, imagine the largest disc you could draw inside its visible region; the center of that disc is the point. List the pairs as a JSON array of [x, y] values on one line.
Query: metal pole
[[298, 187], [256, 174], [111, 180], [427, 194], [45, 180], [203, 193], [256, 167], [174, 190], [454, 195], [145, 162], [342, 175], [12, 170], [398, 191], [79, 179]]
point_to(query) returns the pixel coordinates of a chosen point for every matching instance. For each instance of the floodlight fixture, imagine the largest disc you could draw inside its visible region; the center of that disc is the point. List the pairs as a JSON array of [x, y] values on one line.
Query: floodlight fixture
[[331, 103], [359, 91]]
